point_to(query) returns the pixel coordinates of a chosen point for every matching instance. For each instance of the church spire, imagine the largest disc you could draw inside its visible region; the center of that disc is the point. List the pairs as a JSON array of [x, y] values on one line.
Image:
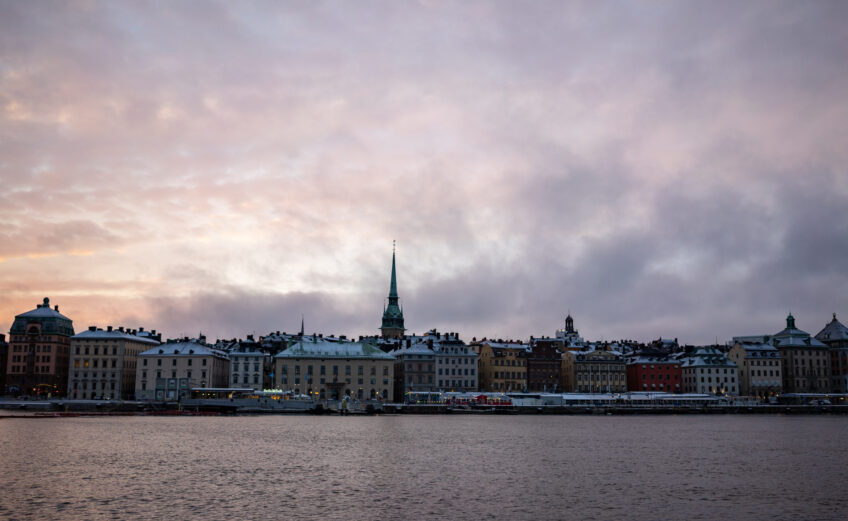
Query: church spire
[[393, 294], [392, 326]]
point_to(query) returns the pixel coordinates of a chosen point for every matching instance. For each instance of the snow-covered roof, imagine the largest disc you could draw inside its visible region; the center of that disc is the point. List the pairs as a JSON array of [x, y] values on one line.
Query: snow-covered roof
[[183, 349], [652, 360], [115, 334], [419, 349], [42, 312], [833, 331], [321, 348]]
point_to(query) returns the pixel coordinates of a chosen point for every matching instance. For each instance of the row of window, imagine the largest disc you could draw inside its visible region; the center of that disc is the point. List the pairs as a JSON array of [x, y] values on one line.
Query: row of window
[[173, 362], [22, 369], [360, 370], [94, 363], [38, 349]]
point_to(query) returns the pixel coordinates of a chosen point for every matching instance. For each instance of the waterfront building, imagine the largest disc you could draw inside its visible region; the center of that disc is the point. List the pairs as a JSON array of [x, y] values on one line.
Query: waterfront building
[[596, 369], [759, 367], [332, 369], [706, 370], [103, 364], [570, 338], [39, 343], [654, 371], [415, 368], [806, 361], [503, 366], [250, 367], [169, 371], [4, 356], [835, 336], [544, 365], [392, 326], [456, 362]]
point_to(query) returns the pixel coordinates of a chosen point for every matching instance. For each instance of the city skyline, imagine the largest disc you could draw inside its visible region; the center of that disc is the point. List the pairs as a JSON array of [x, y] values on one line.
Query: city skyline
[[231, 168]]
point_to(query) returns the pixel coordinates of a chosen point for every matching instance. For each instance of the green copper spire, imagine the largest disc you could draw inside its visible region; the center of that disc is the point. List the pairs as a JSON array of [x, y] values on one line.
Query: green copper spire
[[392, 314], [393, 286]]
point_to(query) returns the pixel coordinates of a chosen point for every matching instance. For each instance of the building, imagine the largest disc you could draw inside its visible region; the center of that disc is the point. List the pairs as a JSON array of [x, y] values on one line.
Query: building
[[654, 371], [39, 346], [103, 363], [806, 361], [4, 357], [456, 362], [415, 368], [169, 371], [835, 336], [759, 367], [392, 326], [706, 370], [503, 366], [250, 367], [594, 370], [329, 369], [544, 366]]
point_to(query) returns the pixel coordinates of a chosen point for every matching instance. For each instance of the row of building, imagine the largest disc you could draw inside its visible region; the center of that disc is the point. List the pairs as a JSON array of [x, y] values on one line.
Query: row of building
[[44, 356]]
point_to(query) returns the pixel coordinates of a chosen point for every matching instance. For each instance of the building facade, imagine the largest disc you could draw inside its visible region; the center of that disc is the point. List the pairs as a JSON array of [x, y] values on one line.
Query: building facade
[[544, 366], [759, 367], [806, 361], [328, 369], [415, 368], [594, 370], [456, 363], [655, 372], [169, 371], [706, 370], [39, 347], [103, 364], [249, 367], [835, 337], [503, 366]]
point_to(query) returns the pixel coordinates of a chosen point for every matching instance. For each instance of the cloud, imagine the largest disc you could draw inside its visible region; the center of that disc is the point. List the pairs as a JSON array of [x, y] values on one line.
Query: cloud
[[659, 169]]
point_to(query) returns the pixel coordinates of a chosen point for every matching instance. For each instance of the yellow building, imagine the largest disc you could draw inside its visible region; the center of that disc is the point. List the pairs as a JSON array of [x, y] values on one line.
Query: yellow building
[[503, 366], [594, 371], [332, 369]]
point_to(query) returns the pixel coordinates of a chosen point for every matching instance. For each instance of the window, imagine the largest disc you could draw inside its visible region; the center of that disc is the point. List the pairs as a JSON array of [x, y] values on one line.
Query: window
[[204, 362]]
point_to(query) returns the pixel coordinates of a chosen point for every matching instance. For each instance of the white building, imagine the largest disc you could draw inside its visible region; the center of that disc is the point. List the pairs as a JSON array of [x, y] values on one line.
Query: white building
[[170, 370], [706, 370]]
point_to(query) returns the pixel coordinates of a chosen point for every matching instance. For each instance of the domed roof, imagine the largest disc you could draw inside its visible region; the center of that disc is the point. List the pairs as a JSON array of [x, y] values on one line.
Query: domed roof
[[50, 319]]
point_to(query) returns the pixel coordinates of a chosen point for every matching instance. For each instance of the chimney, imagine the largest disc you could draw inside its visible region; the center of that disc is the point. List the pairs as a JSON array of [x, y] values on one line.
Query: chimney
[[121, 329], [92, 328], [141, 329], [109, 328], [57, 307]]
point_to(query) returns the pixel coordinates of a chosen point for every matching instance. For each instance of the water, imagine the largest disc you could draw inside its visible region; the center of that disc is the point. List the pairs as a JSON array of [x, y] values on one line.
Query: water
[[425, 467]]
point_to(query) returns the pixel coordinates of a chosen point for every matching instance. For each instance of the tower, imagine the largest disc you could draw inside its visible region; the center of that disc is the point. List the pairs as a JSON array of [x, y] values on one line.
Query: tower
[[392, 315]]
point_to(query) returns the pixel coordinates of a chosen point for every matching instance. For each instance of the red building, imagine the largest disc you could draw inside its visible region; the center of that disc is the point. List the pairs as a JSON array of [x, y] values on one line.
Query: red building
[[654, 373], [39, 346], [544, 366]]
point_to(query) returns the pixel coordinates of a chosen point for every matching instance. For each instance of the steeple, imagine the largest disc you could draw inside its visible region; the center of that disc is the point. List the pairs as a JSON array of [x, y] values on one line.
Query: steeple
[[392, 314], [393, 294], [790, 322]]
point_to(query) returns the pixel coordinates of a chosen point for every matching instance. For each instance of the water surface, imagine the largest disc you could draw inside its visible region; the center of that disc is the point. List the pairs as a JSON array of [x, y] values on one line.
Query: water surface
[[425, 467]]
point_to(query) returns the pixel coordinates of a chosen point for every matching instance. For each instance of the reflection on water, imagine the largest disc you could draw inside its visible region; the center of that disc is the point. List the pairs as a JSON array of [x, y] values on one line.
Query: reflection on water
[[425, 467]]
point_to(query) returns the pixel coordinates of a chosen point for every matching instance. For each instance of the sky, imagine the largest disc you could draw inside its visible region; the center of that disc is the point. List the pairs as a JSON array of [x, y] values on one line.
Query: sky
[[658, 169]]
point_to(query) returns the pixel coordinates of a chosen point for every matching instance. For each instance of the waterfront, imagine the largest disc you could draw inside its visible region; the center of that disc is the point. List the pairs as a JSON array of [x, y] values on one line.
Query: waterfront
[[420, 467]]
